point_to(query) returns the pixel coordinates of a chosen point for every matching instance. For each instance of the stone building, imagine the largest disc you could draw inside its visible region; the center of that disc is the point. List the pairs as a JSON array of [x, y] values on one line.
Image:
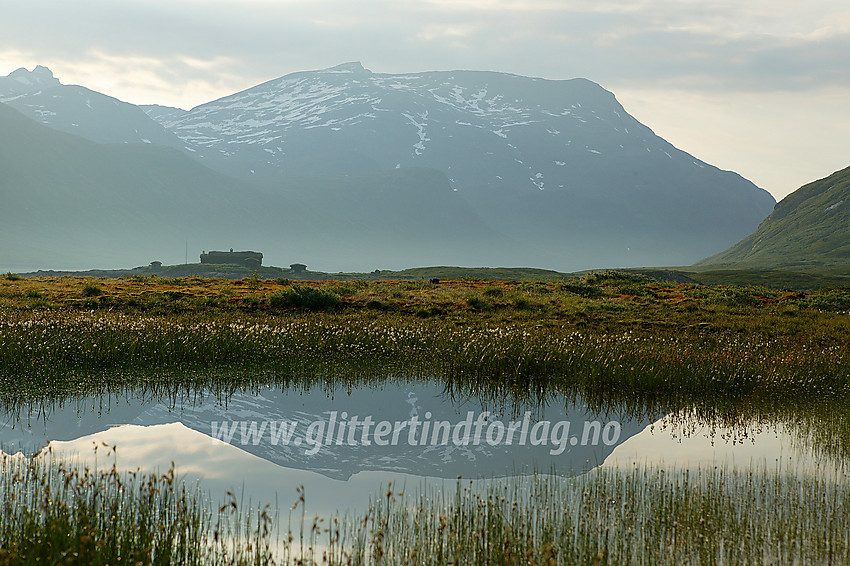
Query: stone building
[[248, 259]]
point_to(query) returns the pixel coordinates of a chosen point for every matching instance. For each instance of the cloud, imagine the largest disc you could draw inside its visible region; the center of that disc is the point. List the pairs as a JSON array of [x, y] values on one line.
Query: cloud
[[759, 45]]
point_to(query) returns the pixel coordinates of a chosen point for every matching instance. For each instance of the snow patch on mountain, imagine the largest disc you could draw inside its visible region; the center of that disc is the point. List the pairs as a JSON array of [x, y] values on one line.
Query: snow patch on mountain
[[453, 118], [419, 146]]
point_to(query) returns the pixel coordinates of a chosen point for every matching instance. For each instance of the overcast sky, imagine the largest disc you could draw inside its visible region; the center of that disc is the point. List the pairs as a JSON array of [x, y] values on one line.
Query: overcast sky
[[759, 87]]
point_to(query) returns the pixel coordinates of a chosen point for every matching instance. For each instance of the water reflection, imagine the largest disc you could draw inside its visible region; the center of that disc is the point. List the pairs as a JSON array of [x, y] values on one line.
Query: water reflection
[[400, 427], [265, 442], [686, 440]]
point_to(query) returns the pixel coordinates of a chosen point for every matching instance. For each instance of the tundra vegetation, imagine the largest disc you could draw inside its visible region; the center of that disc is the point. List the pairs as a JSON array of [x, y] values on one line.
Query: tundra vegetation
[[727, 354]]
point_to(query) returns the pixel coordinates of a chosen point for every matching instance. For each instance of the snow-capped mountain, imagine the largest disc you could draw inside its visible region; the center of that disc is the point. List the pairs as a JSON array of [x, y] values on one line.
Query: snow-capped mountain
[[21, 81], [80, 111], [486, 129], [461, 167], [546, 162]]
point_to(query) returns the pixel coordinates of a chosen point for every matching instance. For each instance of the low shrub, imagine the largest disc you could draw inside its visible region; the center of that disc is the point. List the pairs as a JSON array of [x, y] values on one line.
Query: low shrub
[[741, 297], [581, 289], [613, 275], [830, 300], [378, 305], [306, 298], [173, 281], [522, 302], [33, 293], [493, 291], [346, 288], [536, 287], [253, 281], [92, 291]]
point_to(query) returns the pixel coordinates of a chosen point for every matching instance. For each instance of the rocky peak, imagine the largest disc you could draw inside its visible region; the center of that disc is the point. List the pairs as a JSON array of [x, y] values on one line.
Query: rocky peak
[[40, 76], [21, 81], [351, 67]]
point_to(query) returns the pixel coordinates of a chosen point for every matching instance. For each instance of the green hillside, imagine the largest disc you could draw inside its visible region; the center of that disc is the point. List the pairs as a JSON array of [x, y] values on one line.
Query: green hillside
[[808, 230]]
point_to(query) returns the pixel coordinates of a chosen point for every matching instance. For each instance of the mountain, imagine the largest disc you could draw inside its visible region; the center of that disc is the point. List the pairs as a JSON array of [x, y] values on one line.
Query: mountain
[[810, 228], [72, 203], [558, 166], [80, 111], [21, 82], [461, 167]]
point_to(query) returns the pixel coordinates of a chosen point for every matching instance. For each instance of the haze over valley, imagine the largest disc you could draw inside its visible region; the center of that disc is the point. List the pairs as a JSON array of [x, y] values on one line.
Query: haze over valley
[[349, 170]]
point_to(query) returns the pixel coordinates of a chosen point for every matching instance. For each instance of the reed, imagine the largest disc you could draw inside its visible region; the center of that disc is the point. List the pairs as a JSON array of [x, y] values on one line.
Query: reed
[[45, 351], [640, 516], [53, 512]]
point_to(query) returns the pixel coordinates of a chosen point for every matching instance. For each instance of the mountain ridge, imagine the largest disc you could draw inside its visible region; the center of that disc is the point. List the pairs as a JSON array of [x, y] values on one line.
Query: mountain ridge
[[810, 228], [504, 141], [553, 174], [77, 110]]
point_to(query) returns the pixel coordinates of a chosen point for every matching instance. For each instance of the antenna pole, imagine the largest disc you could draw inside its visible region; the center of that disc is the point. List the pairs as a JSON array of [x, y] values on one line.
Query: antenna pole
[[187, 252]]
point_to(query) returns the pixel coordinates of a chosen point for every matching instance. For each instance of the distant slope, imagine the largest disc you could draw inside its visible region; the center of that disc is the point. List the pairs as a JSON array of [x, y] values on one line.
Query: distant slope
[[68, 203], [558, 166], [80, 111], [808, 229]]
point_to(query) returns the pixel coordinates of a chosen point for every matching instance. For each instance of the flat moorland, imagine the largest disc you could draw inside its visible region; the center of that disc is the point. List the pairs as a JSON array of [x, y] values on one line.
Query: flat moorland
[[604, 332], [605, 299]]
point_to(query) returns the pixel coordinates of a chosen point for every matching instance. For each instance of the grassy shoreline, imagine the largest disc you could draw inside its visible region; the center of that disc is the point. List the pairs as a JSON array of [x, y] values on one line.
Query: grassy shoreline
[[605, 332], [612, 335]]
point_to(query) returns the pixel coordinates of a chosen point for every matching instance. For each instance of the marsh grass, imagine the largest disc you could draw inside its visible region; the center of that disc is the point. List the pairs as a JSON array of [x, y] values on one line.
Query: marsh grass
[[53, 512], [56, 513], [639, 516], [603, 335], [51, 348]]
